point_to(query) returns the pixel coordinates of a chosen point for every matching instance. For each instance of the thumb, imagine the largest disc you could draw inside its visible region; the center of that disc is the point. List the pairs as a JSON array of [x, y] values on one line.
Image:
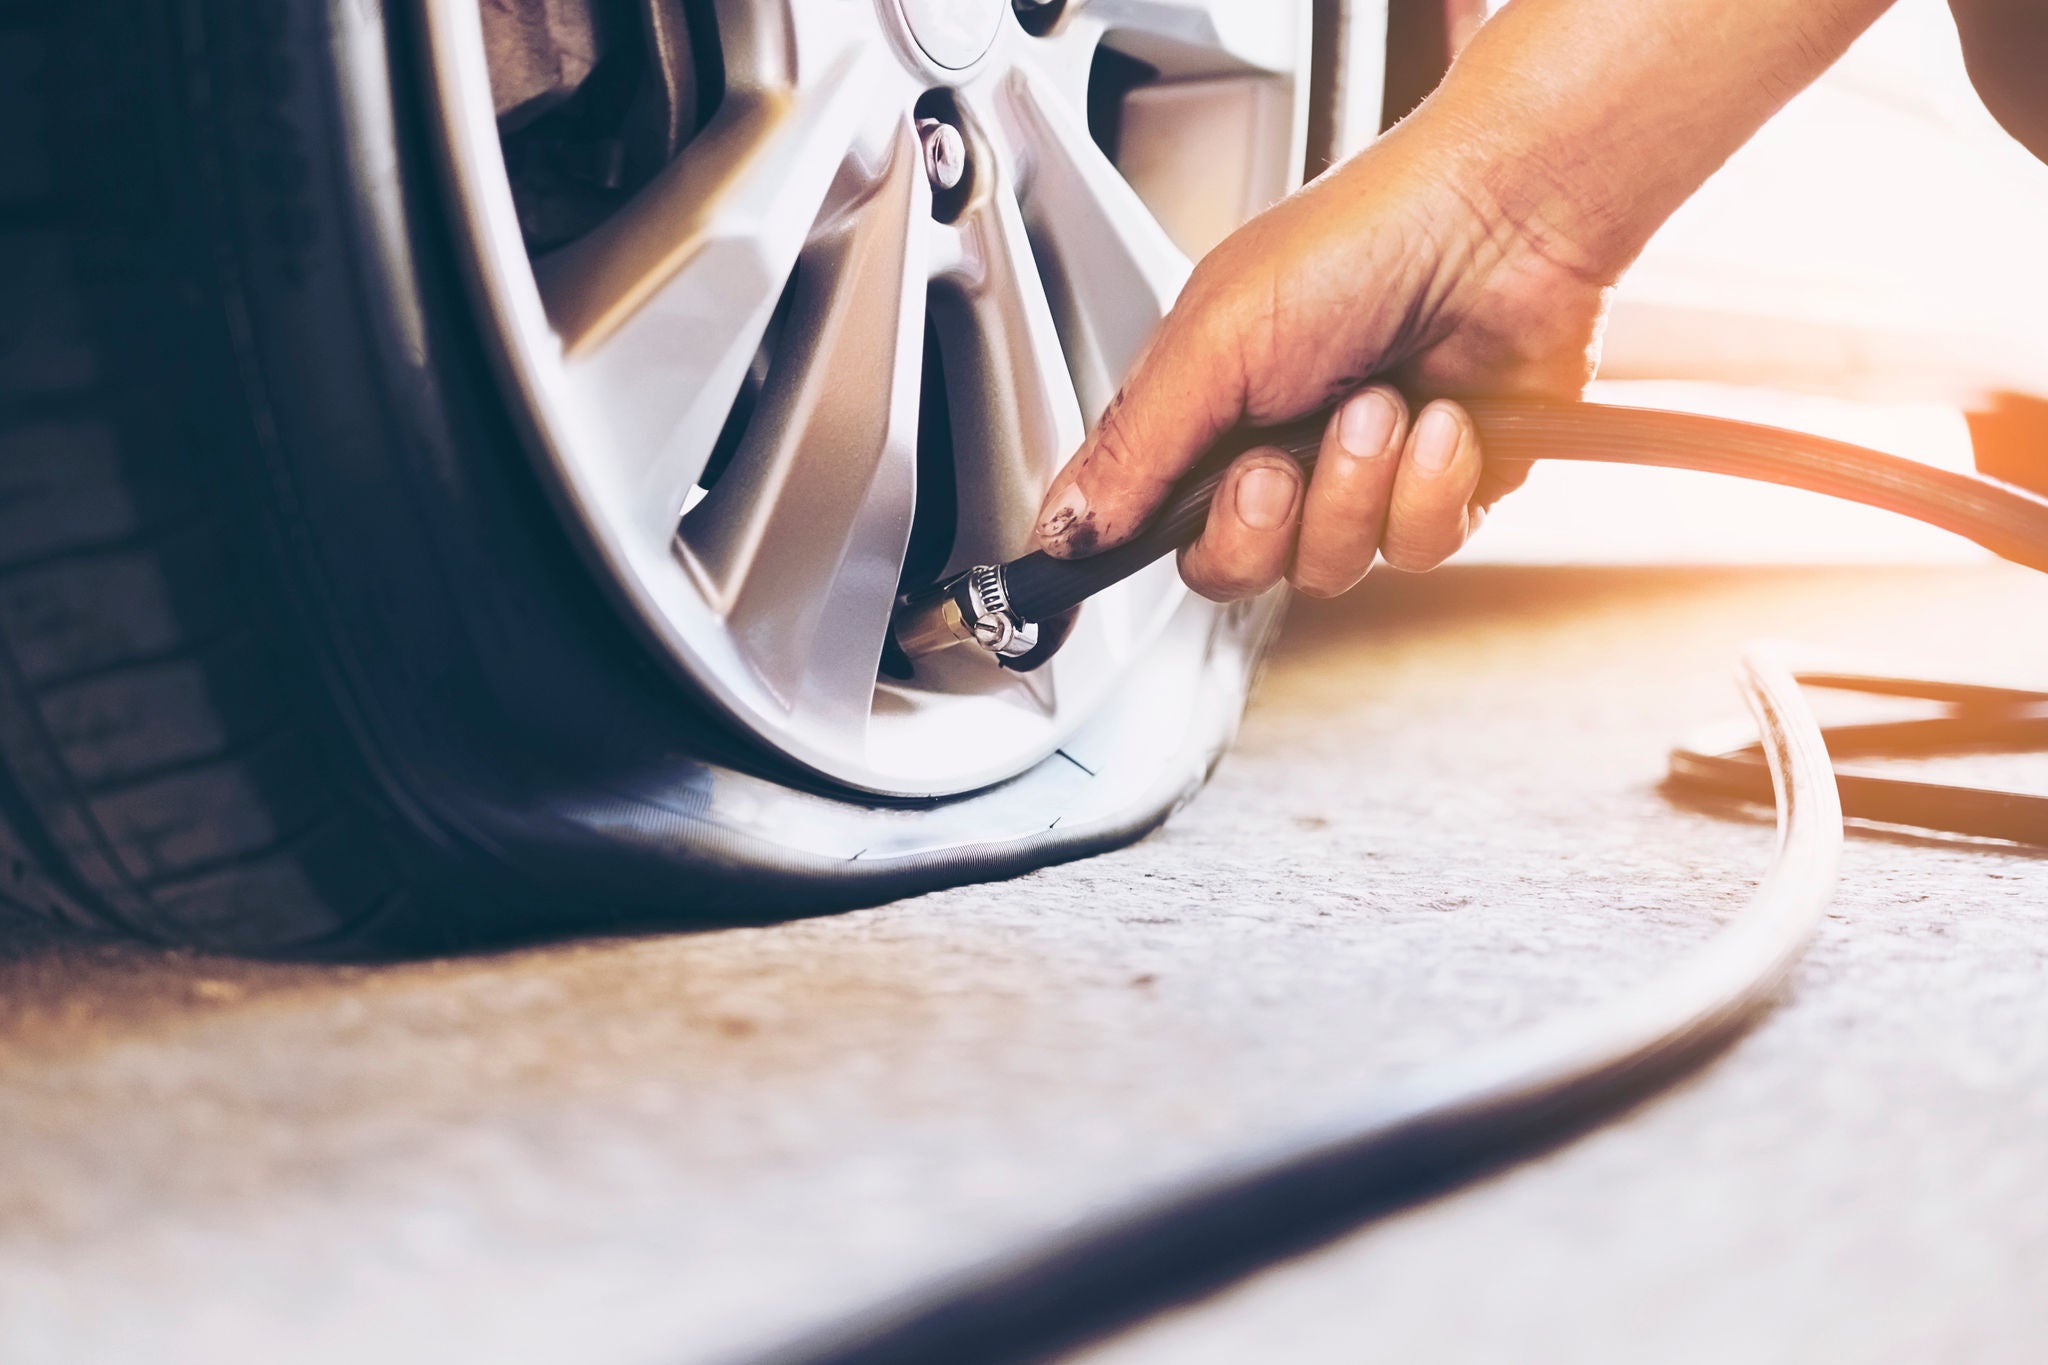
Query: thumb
[[1186, 390]]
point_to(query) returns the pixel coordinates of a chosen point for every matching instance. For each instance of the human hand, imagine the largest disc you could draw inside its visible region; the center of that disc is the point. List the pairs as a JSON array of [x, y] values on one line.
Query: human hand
[[1401, 271], [1470, 250]]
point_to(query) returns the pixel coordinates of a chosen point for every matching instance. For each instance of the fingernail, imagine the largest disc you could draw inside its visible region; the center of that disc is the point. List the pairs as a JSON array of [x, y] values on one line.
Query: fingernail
[[1366, 423], [1436, 441], [1265, 496], [1060, 516]]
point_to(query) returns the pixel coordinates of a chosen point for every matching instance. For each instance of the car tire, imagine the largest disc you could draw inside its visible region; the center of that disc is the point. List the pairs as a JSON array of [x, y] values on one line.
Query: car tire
[[297, 654]]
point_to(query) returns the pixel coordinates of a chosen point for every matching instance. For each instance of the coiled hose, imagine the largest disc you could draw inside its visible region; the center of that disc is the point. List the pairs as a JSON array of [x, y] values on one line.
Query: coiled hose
[[1525, 1094]]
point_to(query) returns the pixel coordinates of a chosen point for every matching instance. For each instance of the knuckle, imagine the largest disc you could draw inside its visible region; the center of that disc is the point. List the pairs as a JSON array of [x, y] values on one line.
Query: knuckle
[[1205, 283], [1319, 585], [1115, 452], [1424, 537], [1325, 575], [1213, 589], [1213, 283], [1229, 317], [1414, 556], [1217, 582]]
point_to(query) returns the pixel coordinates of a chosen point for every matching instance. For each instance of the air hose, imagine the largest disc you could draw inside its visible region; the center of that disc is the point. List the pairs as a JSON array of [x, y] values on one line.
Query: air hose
[[1002, 603], [1531, 1091]]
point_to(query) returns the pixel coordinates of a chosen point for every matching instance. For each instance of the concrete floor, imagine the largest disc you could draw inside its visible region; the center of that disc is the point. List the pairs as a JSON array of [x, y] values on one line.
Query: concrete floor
[[1441, 822]]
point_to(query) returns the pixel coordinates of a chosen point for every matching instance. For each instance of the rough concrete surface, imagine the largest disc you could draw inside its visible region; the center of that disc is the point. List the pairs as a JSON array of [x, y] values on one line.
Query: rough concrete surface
[[1441, 822]]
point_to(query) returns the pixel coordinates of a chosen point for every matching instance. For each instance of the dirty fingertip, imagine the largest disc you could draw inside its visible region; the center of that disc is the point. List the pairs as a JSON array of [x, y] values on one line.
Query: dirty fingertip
[[1066, 525]]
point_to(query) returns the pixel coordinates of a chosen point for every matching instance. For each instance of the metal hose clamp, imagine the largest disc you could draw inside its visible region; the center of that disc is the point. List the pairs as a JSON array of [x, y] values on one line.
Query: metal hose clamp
[[996, 625]]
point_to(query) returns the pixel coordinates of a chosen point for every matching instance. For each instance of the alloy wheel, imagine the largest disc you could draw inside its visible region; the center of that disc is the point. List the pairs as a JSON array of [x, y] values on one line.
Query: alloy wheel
[[784, 369]]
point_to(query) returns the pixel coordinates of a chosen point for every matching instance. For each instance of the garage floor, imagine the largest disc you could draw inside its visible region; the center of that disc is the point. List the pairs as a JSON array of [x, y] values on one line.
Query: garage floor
[[1441, 822]]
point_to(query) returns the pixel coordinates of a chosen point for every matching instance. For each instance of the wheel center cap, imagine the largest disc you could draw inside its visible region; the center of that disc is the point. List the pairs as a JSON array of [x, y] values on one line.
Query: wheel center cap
[[953, 33]]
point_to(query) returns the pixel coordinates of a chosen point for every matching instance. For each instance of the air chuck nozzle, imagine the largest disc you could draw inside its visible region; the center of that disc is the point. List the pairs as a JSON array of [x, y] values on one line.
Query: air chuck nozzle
[[1021, 611], [972, 608]]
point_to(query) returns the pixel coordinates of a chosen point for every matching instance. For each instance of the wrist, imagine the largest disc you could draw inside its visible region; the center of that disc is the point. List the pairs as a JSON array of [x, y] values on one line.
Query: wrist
[[1587, 122], [1534, 180], [1491, 208]]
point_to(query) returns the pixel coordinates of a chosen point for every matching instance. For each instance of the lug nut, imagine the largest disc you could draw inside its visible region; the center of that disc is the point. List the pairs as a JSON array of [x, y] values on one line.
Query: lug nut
[[945, 153]]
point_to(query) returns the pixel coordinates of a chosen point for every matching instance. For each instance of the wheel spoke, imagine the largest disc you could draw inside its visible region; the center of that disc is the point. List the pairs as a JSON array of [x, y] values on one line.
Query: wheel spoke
[[1015, 414], [1193, 38], [1111, 270], [741, 197], [800, 543], [723, 380], [661, 310]]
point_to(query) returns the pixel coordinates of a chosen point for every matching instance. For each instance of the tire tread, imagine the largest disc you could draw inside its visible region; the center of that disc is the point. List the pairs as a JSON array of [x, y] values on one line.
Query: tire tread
[[161, 773]]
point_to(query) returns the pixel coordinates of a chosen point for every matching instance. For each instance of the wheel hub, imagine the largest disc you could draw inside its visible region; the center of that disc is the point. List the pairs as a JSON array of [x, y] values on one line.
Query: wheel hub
[[954, 34]]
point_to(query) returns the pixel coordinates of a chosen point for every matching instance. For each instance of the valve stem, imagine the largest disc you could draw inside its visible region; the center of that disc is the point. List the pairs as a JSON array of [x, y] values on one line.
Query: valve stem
[[970, 608]]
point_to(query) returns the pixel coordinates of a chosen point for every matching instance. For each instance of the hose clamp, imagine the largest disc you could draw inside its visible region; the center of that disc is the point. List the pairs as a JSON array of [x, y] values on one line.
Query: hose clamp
[[996, 625]]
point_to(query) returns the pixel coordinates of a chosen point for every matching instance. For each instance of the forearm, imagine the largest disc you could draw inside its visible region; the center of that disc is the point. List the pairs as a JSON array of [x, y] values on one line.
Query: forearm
[[1590, 121]]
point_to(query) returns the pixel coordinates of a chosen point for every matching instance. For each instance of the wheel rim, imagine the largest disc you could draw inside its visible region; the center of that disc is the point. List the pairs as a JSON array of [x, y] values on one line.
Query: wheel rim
[[796, 231]]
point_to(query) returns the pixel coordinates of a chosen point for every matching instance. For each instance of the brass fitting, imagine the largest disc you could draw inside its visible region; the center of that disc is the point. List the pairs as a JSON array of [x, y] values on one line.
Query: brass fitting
[[972, 608]]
